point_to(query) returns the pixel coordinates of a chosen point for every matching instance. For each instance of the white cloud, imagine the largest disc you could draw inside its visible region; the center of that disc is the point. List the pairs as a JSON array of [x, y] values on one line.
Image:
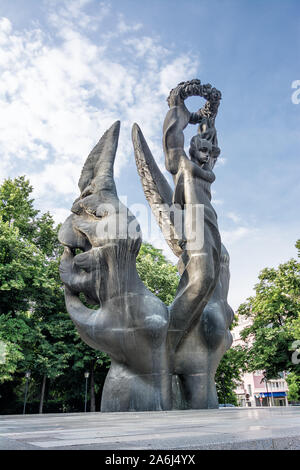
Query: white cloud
[[217, 202], [60, 91], [71, 14], [234, 217], [59, 214], [124, 27], [221, 161], [231, 236], [172, 72], [266, 246], [5, 26]]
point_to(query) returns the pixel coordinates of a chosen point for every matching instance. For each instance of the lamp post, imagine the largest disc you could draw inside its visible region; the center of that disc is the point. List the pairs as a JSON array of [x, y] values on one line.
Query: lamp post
[[268, 399], [27, 375], [86, 375]]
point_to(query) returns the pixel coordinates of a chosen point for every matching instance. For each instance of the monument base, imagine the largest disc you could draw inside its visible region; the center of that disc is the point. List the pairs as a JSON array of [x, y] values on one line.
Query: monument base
[[227, 428]]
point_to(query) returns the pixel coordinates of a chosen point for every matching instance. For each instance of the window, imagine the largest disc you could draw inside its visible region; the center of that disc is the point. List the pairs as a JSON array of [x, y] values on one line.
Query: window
[[249, 390]]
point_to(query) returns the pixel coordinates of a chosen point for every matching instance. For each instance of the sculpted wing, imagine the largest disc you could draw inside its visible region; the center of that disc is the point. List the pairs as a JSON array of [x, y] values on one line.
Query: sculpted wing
[[156, 188]]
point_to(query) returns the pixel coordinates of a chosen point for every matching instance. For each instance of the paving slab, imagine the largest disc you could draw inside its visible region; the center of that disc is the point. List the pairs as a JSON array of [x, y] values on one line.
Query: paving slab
[[226, 428]]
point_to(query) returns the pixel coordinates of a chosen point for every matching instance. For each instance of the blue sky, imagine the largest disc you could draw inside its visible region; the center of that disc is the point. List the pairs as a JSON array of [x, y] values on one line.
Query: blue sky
[[69, 69]]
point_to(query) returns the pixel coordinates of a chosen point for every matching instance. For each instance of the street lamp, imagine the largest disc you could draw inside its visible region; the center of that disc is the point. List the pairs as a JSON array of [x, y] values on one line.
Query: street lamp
[[86, 375], [266, 381], [27, 375]]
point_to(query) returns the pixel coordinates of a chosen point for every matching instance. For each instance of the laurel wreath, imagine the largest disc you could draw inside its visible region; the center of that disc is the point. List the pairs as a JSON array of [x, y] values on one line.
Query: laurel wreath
[[195, 88]]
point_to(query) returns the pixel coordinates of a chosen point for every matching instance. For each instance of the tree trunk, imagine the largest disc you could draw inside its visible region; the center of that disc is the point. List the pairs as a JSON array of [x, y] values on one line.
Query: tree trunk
[[42, 394], [92, 384]]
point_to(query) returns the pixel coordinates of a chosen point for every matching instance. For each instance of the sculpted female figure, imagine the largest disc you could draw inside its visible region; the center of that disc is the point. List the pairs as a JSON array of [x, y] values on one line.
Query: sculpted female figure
[[204, 265], [200, 261]]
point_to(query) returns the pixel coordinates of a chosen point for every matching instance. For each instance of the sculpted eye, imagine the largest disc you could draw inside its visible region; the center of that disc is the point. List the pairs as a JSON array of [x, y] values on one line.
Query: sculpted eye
[[100, 213], [84, 261]]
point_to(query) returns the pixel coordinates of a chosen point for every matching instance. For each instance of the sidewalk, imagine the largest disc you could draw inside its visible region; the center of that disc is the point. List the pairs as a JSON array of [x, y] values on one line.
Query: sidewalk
[[227, 428]]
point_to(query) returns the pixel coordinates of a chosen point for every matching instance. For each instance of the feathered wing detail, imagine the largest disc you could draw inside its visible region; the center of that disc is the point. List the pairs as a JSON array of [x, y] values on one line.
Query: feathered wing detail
[[157, 190]]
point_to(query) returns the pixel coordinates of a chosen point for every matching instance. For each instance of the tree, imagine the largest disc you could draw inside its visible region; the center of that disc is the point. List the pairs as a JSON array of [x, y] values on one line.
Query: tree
[[32, 313], [16, 208], [293, 381], [228, 375], [12, 332], [23, 271], [24, 278], [274, 314], [158, 274]]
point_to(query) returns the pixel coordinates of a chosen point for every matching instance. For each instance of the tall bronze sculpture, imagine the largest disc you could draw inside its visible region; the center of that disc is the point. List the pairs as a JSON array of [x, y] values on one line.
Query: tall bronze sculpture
[[161, 357]]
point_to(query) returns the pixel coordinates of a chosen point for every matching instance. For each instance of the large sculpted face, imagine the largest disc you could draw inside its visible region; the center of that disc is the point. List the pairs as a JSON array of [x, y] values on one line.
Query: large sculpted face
[[100, 227]]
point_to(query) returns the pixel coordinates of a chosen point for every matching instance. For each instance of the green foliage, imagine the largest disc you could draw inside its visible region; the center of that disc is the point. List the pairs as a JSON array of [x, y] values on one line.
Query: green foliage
[[293, 381], [296, 328], [37, 333], [14, 332], [274, 314], [24, 272], [228, 375], [158, 274], [15, 206]]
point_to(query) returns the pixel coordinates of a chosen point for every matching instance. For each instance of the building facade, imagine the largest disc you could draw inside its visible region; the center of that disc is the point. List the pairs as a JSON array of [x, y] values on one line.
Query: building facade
[[254, 390]]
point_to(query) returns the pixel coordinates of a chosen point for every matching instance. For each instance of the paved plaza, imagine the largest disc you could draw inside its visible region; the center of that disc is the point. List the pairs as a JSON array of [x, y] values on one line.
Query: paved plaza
[[235, 428]]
